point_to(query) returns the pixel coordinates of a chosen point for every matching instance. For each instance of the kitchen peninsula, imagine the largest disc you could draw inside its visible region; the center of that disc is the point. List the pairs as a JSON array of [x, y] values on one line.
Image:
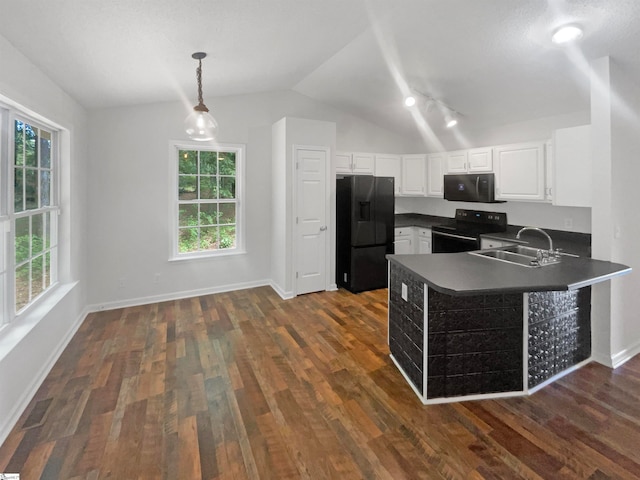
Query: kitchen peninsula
[[462, 326]]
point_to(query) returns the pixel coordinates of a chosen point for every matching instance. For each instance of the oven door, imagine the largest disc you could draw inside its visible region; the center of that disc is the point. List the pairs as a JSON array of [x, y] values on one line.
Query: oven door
[[442, 242]]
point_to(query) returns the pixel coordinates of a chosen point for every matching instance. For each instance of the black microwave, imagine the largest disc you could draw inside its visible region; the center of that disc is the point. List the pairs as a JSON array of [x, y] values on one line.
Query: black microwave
[[470, 187]]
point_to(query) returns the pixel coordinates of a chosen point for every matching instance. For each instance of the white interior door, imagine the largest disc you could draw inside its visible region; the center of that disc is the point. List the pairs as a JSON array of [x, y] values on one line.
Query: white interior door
[[311, 238]]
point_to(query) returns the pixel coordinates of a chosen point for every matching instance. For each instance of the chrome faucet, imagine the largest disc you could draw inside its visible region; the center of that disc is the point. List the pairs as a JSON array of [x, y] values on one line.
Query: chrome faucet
[[551, 252]]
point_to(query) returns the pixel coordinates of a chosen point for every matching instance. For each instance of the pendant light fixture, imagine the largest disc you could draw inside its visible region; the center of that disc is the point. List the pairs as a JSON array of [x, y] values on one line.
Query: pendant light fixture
[[200, 124]]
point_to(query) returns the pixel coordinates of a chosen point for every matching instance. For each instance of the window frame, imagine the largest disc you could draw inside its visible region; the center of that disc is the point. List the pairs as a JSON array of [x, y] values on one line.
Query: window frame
[[8, 216], [239, 151]]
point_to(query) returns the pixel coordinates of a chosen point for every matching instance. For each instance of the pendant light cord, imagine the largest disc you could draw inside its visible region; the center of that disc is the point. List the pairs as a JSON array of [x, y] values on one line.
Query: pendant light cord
[[201, 107]]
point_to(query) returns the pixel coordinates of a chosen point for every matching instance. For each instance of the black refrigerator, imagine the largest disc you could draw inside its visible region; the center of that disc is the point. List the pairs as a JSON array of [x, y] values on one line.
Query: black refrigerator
[[364, 231]]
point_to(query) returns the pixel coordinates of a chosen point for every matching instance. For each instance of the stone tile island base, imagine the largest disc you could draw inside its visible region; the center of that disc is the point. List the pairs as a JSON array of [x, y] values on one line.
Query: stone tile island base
[[453, 348]]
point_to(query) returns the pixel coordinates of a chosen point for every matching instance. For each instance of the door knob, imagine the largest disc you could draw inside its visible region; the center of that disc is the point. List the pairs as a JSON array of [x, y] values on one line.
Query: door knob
[[323, 228]]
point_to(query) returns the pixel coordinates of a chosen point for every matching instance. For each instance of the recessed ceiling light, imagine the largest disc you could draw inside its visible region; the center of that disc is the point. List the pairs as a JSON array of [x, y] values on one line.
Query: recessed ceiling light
[[410, 101], [566, 34]]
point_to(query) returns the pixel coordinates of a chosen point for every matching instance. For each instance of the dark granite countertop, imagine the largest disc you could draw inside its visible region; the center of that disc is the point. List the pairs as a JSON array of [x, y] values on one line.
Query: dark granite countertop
[[467, 274], [569, 242]]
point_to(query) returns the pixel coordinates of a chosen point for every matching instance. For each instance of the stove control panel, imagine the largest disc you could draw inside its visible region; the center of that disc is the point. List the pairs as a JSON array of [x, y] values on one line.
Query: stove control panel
[[479, 217]]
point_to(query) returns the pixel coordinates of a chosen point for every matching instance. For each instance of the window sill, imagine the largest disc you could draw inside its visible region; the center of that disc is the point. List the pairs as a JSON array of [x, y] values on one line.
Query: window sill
[[11, 334], [206, 255]]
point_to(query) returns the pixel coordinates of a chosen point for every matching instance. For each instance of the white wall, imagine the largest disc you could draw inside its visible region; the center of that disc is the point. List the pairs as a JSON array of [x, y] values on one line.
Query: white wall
[[30, 345], [129, 183], [287, 133], [625, 199]]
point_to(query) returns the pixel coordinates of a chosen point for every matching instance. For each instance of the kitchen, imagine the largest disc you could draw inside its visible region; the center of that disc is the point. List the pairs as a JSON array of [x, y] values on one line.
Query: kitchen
[[103, 180]]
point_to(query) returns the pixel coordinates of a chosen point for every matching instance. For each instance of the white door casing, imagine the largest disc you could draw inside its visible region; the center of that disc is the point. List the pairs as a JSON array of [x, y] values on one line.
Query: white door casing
[[312, 220]]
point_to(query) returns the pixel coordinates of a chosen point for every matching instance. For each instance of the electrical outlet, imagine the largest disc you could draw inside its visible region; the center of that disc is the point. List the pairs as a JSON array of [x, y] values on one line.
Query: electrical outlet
[[568, 223]]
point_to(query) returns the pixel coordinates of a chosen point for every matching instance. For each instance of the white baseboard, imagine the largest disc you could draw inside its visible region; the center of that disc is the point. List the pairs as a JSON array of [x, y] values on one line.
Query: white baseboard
[[133, 302], [7, 424], [625, 355], [283, 294]]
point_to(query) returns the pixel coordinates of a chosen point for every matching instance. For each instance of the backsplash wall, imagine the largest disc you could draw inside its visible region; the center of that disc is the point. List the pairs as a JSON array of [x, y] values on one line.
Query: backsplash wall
[[542, 215]]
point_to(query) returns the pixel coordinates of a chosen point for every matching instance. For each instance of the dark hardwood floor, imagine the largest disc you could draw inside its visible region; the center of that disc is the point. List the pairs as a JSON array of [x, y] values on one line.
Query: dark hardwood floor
[[246, 385]]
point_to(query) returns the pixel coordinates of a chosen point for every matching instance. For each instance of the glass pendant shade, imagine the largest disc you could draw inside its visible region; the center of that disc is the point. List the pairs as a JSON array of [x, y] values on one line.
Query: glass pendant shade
[[200, 125]]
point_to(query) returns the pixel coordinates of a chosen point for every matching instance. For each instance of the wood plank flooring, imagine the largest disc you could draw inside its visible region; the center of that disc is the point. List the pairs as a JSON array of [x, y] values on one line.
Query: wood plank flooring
[[246, 385]]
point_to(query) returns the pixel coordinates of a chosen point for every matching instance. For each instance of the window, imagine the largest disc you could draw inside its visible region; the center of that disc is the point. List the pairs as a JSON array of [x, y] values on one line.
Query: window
[[28, 260], [209, 186], [34, 214]]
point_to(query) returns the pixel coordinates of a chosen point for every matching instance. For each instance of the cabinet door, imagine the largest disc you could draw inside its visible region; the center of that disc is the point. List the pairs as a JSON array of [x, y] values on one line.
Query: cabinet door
[[390, 166], [457, 161], [424, 244], [424, 240], [573, 176], [435, 175], [520, 171], [480, 160], [343, 162], [413, 175], [403, 245], [363, 163], [548, 172]]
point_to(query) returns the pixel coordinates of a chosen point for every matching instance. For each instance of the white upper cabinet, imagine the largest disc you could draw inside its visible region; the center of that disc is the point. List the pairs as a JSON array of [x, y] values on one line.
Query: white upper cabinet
[[520, 173], [355, 163], [390, 166], [457, 161], [480, 160], [572, 167], [548, 169], [470, 161], [414, 176], [435, 174]]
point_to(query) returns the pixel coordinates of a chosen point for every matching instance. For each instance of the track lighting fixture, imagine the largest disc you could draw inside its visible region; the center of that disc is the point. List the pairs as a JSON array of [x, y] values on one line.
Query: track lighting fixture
[[200, 124], [449, 114], [567, 34]]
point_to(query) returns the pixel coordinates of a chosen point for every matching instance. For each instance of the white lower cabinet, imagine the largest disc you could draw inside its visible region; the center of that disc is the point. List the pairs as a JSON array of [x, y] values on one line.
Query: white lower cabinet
[[410, 240], [403, 240], [424, 240]]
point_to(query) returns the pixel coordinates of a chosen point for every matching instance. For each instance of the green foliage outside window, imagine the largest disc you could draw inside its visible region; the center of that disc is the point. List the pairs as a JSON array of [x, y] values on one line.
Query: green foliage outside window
[[206, 200]]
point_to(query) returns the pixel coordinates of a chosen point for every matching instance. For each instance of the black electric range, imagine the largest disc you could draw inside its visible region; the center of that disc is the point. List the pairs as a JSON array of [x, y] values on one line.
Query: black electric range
[[463, 234]]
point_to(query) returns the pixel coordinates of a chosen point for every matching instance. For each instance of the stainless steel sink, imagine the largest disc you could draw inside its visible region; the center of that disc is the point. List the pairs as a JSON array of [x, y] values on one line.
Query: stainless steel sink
[[522, 250], [509, 257]]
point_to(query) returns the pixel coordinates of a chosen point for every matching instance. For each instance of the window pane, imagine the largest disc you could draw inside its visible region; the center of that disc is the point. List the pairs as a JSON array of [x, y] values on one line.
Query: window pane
[[208, 163], [37, 234], [227, 163], [188, 240], [208, 238], [228, 237], [208, 188], [227, 187], [188, 215], [23, 240], [188, 162], [187, 187], [208, 214], [45, 188], [31, 146], [47, 231], [31, 189], [18, 197], [227, 213], [47, 270], [19, 143], [45, 149], [37, 273], [22, 286]]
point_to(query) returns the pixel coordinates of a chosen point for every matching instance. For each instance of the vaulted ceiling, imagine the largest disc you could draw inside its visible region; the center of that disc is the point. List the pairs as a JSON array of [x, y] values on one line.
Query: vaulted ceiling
[[490, 60]]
